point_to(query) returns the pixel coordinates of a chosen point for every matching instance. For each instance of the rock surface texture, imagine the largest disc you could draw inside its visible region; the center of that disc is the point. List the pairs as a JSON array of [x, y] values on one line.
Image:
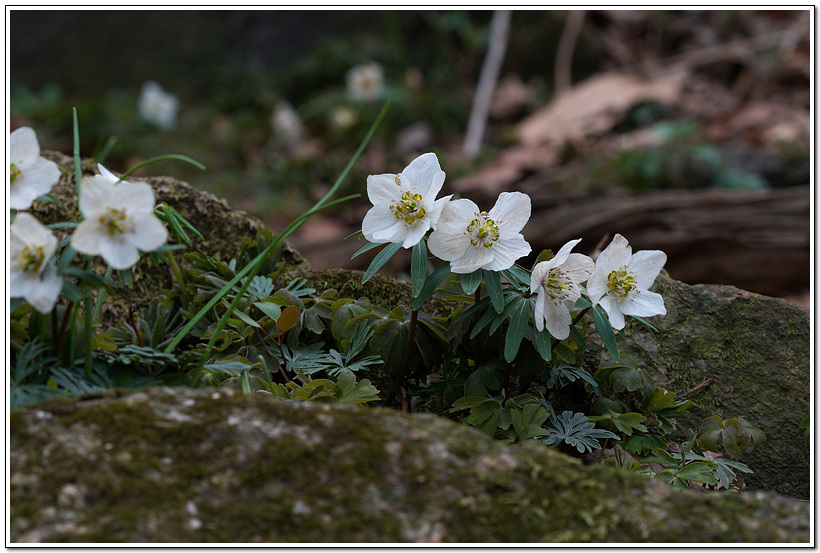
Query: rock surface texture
[[212, 465], [755, 350]]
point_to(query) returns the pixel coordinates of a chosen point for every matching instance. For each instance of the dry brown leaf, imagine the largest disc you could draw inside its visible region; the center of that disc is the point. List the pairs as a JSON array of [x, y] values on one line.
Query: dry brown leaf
[[595, 105]]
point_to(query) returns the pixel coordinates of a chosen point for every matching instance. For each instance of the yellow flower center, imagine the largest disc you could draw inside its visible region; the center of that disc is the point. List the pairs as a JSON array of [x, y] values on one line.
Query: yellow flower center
[[408, 209], [114, 222], [30, 260], [557, 285], [14, 172], [621, 282], [484, 231]]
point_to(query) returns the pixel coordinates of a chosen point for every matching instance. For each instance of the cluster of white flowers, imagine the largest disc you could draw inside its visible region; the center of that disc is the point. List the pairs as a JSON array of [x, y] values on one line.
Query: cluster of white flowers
[[405, 208], [118, 220], [619, 281]]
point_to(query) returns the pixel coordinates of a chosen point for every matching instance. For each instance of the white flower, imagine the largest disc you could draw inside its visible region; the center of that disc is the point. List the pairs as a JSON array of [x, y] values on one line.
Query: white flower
[[558, 283], [158, 106], [404, 205], [365, 82], [30, 275], [286, 122], [471, 239], [119, 219], [30, 175], [621, 281]]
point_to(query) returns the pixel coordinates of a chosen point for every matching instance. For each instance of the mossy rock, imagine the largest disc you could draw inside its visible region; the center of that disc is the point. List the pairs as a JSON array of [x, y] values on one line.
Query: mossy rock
[[222, 228], [754, 349], [176, 465]]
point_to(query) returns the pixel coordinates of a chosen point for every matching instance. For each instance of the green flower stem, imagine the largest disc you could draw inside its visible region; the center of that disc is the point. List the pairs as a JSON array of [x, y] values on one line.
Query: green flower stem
[[89, 331], [254, 265], [78, 169], [172, 262], [101, 296], [388, 400]]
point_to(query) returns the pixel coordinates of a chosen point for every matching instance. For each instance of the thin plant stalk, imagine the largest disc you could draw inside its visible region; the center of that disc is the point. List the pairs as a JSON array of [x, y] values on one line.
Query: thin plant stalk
[[101, 295], [255, 264]]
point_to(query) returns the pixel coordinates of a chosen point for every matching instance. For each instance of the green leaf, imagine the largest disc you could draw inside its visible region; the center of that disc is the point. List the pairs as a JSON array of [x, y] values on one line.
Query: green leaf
[[605, 331], [697, 471], [381, 258], [165, 157], [543, 343], [366, 248], [430, 285], [270, 309], [518, 326], [643, 444], [418, 267], [470, 282], [493, 282], [245, 318], [486, 378]]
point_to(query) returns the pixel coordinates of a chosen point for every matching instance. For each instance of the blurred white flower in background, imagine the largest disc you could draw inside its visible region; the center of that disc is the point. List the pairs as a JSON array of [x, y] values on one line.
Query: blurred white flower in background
[[621, 281], [365, 83], [31, 245], [157, 106], [286, 122], [30, 176], [342, 117], [119, 220], [471, 239], [558, 284], [404, 205]]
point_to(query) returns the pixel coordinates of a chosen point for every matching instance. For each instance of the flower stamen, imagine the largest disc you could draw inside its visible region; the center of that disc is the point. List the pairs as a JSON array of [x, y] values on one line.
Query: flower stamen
[[14, 172], [30, 260], [483, 231], [409, 208], [114, 222], [621, 282]]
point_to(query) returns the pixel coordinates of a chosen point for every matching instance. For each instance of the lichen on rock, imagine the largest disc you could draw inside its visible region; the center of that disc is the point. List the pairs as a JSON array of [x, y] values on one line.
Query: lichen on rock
[[176, 465]]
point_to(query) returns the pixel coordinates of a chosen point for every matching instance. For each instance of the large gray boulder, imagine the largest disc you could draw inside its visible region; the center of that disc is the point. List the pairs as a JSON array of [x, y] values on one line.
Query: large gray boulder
[[177, 465], [755, 351]]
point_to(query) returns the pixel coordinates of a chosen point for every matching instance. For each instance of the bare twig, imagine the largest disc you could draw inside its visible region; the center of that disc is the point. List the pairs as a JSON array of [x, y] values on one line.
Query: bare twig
[[566, 48], [697, 388], [499, 27]]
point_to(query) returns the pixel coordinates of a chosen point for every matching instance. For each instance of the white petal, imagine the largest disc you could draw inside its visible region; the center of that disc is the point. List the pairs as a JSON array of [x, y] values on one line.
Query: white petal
[[506, 252], [380, 225], [597, 287], [578, 267], [149, 233], [563, 253], [613, 308], [645, 265], [614, 256], [539, 272], [511, 212], [119, 254], [643, 304], [558, 320], [95, 196], [448, 246], [28, 231], [21, 197], [435, 209], [415, 233], [40, 177], [474, 258], [382, 189], [43, 294], [23, 148], [133, 197], [425, 175], [87, 237], [108, 175], [538, 314]]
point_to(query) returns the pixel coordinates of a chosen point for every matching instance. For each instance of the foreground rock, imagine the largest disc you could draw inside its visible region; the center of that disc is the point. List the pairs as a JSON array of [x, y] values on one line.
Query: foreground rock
[[755, 351], [176, 465]]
